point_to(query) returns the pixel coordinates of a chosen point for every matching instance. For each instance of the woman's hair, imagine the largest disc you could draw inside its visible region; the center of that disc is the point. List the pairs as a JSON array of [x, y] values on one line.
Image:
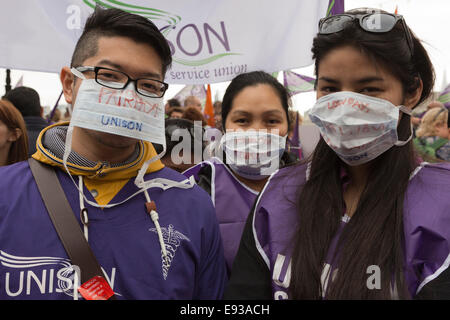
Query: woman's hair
[[12, 118], [374, 234], [183, 124], [193, 114], [254, 78], [174, 109], [389, 49], [56, 116], [174, 102], [429, 121]]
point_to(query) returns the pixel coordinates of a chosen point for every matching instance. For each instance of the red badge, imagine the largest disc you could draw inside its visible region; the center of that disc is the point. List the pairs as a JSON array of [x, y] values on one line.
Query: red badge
[[96, 288]]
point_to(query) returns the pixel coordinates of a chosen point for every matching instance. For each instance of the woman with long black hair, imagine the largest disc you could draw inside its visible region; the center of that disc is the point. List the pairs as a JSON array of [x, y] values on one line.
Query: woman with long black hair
[[363, 219]]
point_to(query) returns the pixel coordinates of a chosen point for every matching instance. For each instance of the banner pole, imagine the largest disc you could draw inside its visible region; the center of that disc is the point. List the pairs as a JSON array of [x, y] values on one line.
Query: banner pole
[[8, 81], [49, 119]]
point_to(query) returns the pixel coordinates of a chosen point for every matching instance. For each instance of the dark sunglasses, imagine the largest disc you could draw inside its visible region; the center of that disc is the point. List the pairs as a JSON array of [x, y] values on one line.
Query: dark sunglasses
[[371, 22]]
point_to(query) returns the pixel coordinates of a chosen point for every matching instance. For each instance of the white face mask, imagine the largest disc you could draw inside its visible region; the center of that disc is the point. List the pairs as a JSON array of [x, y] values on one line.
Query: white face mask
[[357, 127], [253, 154], [120, 112], [125, 113]]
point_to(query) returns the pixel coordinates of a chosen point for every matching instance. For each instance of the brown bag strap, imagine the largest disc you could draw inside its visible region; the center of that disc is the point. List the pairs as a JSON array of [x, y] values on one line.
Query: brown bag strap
[[64, 220]]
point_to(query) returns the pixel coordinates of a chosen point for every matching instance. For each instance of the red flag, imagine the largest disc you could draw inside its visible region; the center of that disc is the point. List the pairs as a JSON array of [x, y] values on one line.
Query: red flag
[[209, 108]]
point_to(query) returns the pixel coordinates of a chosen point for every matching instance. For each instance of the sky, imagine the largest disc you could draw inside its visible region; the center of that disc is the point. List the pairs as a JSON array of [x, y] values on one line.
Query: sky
[[427, 18]]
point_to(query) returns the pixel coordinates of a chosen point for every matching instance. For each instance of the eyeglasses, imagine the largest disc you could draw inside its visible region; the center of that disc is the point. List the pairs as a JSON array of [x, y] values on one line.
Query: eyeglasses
[[371, 22], [115, 79]]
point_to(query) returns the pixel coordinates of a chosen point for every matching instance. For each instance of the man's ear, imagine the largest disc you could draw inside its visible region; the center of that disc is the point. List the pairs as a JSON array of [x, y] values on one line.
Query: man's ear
[[413, 97], [67, 81]]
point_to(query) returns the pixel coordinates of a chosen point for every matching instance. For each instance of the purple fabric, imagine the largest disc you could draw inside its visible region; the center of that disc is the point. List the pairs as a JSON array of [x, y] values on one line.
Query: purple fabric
[[444, 97], [34, 264], [194, 170], [275, 222], [426, 225], [297, 83], [233, 203], [335, 7]]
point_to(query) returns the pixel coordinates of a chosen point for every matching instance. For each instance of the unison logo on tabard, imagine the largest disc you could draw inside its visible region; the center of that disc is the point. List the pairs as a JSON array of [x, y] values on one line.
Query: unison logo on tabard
[[40, 275]]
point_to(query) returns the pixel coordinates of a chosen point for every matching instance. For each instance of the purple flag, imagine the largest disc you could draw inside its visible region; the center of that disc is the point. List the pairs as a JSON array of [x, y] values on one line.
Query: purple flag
[[444, 97], [335, 7], [296, 83], [198, 91]]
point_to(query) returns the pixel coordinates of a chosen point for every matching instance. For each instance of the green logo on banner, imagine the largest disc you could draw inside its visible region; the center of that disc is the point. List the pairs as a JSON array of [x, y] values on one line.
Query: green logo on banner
[[149, 13], [170, 22]]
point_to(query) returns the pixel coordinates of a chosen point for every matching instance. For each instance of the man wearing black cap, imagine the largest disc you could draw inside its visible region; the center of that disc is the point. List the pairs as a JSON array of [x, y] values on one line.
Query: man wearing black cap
[[27, 101]]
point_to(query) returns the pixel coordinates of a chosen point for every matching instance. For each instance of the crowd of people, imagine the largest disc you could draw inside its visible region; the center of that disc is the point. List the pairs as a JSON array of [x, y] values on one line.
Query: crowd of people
[[233, 211]]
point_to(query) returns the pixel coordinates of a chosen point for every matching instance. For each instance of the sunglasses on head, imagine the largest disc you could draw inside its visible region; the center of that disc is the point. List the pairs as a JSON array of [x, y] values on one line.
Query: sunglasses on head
[[376, 22]]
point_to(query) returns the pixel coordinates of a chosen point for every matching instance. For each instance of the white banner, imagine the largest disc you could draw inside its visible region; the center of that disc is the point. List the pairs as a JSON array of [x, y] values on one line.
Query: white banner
[[211, 41], [198, 91]]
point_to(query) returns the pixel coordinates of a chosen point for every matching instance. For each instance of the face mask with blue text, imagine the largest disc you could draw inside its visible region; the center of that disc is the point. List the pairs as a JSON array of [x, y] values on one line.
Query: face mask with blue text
[[121, 112], [125, 113]]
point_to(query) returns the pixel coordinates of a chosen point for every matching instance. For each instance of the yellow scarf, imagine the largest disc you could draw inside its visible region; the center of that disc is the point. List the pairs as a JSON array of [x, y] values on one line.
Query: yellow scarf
[[103, 183]]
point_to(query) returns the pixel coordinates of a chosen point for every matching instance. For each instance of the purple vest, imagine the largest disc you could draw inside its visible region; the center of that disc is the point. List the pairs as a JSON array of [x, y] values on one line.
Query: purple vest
[[34, 264], [233, 202], [426, 225]]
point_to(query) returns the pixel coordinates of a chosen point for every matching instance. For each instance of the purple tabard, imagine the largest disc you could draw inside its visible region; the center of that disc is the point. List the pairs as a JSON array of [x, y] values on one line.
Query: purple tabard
[[274, 225], [426, 225], [233, 202], [34, 264]]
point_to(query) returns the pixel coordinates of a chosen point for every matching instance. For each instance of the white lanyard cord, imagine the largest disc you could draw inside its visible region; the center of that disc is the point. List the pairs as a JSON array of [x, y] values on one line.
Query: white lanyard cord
[[83, 211], [155, 217]]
